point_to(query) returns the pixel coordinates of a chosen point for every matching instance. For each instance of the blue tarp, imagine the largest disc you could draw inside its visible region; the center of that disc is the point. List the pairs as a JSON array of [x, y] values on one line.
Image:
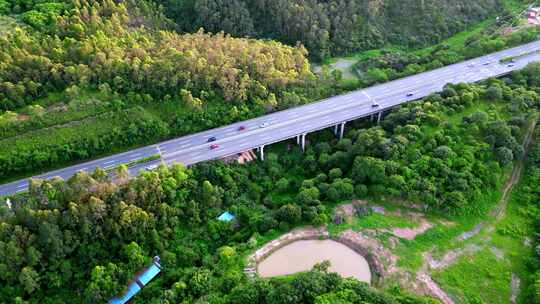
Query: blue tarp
[[140, 280], [149, 274], [226, 217], [133, 289]]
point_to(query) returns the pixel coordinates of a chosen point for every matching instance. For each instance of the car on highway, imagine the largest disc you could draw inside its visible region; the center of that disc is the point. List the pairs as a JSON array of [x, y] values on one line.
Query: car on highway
[[152, 167], [374, 104], [241, 128], [214, 146], [470, 65], [510, 65], [486, 63], [264, 124], [211, 139], [410, 94]]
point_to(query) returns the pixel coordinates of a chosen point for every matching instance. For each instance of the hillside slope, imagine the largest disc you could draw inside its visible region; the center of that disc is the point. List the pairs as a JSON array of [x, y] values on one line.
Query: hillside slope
[[65, 65], [333, 27]]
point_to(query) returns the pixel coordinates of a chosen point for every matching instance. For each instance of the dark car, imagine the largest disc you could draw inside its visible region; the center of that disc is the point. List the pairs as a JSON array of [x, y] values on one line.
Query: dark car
[[214, 146], [241, 128], [374, 105], [211, 139], [410, 94]]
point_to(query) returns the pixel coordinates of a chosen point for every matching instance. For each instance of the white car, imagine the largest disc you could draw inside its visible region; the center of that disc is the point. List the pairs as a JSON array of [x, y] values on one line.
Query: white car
[[264, 124]]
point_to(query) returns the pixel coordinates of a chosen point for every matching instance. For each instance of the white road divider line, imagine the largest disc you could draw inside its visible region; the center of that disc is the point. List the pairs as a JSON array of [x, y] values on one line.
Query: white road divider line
[[398, 94]]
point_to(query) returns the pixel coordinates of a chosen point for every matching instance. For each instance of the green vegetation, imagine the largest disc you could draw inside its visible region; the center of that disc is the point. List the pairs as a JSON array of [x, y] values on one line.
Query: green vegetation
[[86, 237], [125, 166], [516, 233], [366, 58], [80, 79], [368, 219], [506, 253], [66, 65], [101, 44], [478, 278], [376, 220], [54, 146], [394, 63], [333, 28], [62, 69], [511, 58]]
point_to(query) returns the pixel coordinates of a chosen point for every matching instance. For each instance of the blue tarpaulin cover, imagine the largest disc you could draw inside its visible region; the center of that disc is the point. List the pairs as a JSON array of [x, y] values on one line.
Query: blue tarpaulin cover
[[226, 217], [142, 279]]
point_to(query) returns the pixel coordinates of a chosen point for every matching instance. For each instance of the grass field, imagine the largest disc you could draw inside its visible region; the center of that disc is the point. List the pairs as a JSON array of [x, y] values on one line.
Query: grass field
[[478, 278]]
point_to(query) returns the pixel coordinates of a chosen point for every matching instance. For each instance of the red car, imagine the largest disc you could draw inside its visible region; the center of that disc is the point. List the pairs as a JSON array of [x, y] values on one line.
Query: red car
[[241, 128], [214, 146]]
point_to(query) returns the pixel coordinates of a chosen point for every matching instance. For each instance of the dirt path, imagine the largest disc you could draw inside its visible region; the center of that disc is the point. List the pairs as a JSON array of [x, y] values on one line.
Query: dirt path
[[500, 210], [498, 213]]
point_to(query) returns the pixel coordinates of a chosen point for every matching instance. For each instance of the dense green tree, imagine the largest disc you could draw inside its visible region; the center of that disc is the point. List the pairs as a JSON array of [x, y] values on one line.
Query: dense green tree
[[337, 27]]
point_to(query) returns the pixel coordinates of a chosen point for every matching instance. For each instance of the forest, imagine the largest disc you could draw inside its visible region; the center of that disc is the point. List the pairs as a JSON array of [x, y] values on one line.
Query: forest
[[393, 64], [86, 78], [85, 237], [73, 71], [332, 27], [70, 65]]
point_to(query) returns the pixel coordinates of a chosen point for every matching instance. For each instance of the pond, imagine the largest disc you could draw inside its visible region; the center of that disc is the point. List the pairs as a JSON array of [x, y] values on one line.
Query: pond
[[304, 254]]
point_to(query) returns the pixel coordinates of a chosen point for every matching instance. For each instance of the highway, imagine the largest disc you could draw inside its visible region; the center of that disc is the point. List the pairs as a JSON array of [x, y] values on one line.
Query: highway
[[304, 119]]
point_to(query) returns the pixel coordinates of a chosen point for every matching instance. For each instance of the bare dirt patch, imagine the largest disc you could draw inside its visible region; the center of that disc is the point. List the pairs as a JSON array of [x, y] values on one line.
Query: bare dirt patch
[[347, 210], [411, 233], [449, 257], [497, 252], [433, 289], [514, 288], [382, 260]]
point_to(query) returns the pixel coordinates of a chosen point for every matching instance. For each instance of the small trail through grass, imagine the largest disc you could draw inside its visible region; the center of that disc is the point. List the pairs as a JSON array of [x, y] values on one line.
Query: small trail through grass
[[497, 214]]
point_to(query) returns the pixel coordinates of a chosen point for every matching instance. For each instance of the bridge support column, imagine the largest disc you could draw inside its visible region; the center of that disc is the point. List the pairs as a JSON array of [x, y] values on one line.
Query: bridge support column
[[298, 139], [379, 117], [261, 151], [303, 141], [342, 130], [371, 117], [336, 129]]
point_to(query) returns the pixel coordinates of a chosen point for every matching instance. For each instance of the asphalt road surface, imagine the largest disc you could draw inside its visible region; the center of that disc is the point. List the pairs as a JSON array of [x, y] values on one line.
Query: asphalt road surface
[[315, 116]]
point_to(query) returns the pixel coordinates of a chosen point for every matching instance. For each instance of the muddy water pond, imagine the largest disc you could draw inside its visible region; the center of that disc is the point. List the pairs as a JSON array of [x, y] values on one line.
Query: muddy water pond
[[302, 255]]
